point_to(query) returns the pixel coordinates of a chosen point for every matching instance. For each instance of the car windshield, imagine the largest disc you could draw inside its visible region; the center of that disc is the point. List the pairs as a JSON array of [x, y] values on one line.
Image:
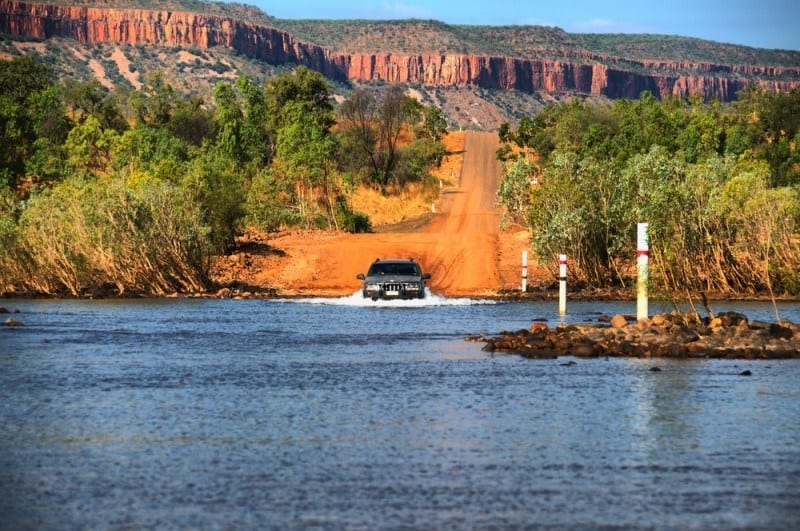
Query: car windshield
[[384, 268]]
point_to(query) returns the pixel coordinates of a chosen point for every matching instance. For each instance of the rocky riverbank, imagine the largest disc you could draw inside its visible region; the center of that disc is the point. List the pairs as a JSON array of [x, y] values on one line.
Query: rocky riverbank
[[728, 335]]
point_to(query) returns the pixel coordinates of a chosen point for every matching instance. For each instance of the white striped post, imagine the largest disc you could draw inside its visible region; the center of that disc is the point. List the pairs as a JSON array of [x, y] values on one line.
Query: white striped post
[[524, 271], [562, 284], [643, 271]]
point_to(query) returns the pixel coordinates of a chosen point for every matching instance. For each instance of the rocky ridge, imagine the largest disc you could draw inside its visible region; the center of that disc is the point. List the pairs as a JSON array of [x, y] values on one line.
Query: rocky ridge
[[585, 73]]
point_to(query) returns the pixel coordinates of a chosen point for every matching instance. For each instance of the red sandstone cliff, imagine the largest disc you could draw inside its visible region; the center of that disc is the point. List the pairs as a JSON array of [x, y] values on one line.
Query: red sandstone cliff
[[591, 75]]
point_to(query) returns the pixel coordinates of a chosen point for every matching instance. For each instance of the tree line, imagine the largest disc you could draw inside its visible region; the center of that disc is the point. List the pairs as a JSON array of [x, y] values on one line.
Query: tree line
[[718, 184], [135, 190]]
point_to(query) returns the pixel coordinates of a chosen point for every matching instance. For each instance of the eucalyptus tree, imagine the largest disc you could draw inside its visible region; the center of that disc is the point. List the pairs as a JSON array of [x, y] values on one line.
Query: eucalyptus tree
[[32, 121], [372, 128], [83, 100], [300, 184]]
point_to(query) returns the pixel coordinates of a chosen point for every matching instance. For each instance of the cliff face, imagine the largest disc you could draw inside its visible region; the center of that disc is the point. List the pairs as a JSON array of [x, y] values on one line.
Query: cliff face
[[590, 75], [537, 76], [142, 27]]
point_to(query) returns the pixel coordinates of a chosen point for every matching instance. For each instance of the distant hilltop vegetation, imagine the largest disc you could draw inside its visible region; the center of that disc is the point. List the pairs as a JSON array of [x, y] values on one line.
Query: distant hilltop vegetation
[[528, 59]]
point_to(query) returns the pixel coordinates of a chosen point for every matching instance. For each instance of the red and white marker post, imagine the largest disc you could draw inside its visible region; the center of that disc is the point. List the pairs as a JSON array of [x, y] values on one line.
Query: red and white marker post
[[642, 270], [562, 284], [524, 271]]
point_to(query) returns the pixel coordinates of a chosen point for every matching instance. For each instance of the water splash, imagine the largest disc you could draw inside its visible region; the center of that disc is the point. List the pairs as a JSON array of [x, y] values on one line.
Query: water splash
[[430, 300]]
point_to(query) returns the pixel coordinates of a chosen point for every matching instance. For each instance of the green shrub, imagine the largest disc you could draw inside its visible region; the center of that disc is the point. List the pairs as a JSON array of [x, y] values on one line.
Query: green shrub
[[417, 159], [789, 282], [347, 220], [267, 201], [217, 186]]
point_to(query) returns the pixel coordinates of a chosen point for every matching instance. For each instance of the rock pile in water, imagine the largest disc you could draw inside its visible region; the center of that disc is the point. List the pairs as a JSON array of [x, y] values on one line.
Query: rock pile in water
[[676, 335]]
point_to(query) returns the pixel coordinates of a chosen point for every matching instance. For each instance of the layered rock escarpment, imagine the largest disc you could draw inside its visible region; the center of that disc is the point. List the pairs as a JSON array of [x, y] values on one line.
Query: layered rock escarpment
[[589, 74], [553, 76], [90, 25]]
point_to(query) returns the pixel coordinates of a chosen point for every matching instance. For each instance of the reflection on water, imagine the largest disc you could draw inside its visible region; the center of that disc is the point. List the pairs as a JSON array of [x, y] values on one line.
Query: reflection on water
[[339, 413]]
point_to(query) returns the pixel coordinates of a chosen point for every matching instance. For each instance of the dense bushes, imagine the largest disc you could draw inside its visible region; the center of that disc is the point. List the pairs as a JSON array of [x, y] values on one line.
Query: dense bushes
[[723, 208], [135, 191], [85, 235]]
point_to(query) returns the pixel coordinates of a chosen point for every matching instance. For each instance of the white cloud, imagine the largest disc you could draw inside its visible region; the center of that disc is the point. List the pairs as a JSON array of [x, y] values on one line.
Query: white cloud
[[600, 24], [532, 21], [604, 25]]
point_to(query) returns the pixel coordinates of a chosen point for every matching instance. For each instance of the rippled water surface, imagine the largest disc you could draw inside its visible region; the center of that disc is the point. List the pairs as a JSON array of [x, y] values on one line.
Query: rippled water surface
[[339, 414]]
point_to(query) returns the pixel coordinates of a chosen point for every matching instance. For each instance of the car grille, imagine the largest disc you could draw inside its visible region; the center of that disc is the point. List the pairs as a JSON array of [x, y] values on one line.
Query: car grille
[[392, 287]]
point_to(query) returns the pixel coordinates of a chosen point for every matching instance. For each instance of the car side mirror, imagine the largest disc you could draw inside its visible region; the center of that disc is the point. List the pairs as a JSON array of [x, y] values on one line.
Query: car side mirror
[[426, 276], [360, 276]]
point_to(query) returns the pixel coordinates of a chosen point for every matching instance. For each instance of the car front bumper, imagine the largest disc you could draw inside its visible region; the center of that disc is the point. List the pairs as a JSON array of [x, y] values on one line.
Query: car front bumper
[[394, 291]]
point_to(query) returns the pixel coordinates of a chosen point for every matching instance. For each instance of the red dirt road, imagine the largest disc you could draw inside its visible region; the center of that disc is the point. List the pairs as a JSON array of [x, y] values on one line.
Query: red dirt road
[[462, 246], [463, 253]]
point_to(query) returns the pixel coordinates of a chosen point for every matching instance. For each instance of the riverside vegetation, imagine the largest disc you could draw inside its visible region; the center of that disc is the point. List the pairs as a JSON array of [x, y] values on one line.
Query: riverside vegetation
[[718, 184], [133, 191]]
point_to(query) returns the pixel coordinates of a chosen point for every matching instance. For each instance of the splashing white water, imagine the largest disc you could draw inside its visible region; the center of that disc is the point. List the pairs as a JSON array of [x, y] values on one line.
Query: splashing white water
[[356, 299]]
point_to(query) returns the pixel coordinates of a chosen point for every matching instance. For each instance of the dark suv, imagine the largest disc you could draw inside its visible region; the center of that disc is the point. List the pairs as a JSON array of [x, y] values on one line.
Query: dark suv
[[394, 279]]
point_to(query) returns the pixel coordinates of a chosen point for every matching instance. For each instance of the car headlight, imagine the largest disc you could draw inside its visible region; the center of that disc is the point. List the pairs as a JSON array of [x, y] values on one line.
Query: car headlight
[[373, 287], [412, 287]]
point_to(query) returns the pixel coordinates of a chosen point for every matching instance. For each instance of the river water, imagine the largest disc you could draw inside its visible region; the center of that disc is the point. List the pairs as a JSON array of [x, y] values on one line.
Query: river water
[[341, 414]]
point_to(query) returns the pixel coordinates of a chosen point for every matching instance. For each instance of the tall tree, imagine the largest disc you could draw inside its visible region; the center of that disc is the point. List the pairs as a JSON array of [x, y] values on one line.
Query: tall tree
[[155, 102], [31, 116], [229, 122], [303, 86], [192, 121], [93, 99], [257, 137], [360, 134], [305, 152], [375, 127]]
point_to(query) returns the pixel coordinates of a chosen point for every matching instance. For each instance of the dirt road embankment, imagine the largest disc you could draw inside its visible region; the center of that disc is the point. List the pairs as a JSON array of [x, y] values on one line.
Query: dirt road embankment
[[461, 245]]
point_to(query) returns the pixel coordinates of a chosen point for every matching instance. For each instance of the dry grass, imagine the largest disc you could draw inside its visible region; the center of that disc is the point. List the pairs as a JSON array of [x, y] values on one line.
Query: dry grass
[[414, 199], [395, 207]]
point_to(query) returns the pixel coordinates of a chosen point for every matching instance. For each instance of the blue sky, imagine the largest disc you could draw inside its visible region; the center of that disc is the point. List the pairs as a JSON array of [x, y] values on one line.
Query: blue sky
[[763, 24]]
